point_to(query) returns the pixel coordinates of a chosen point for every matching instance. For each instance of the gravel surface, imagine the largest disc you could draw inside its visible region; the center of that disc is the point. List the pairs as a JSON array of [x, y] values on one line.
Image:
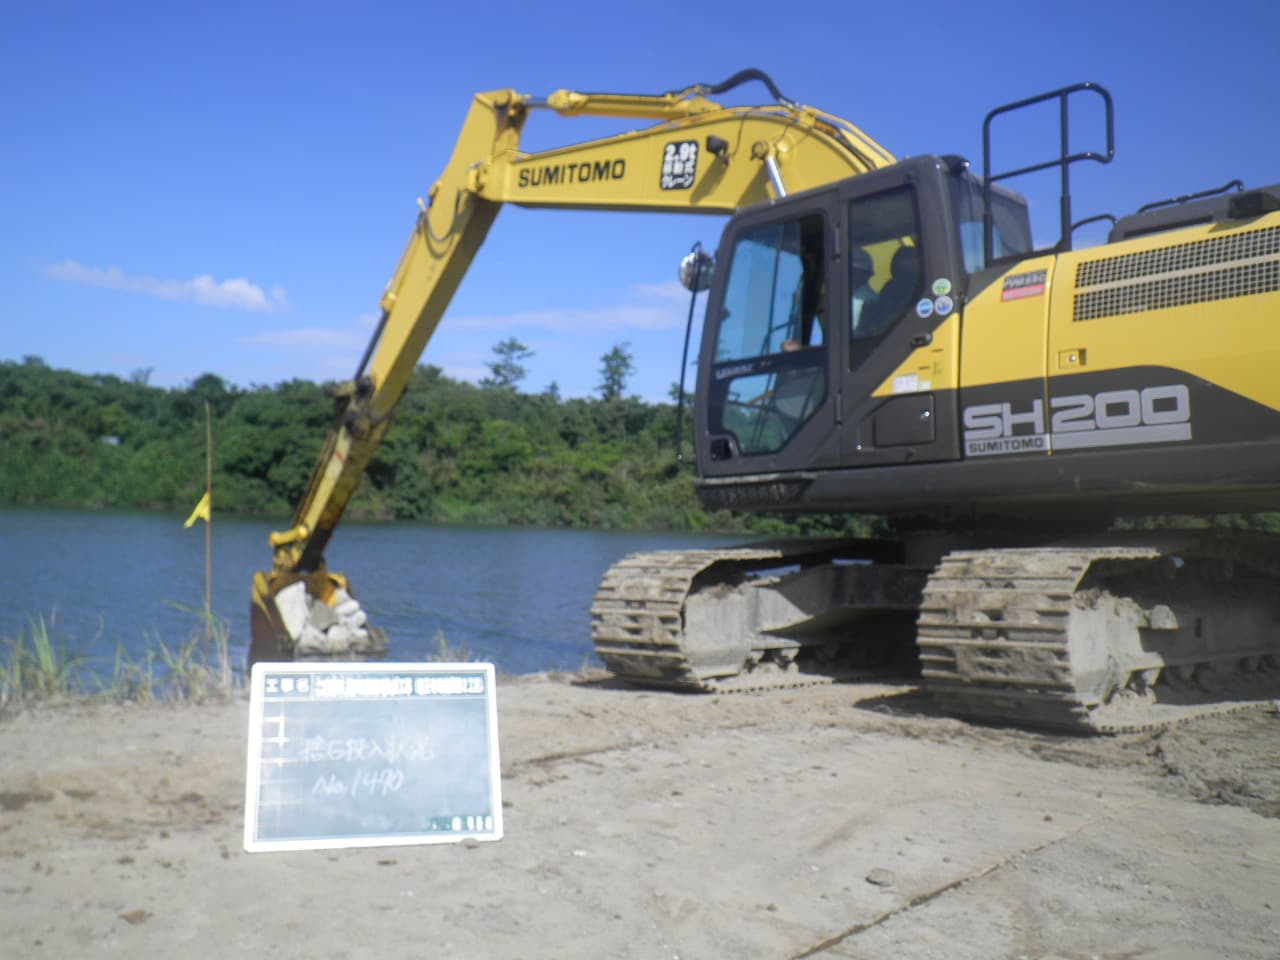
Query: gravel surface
[[837, 821]]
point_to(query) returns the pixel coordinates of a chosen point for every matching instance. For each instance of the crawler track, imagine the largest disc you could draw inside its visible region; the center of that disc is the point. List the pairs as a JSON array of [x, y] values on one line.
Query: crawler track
[[721, 620], [1103, 639], [1111, 638], [637, 615]]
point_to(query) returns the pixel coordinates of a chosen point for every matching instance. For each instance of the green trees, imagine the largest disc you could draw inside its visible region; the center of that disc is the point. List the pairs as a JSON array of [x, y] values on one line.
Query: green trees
[[616, 367], [457, 453], [507, 370]]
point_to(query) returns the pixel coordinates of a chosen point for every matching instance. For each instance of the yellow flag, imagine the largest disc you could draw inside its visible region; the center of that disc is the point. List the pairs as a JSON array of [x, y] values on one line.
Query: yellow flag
[[201, 512]]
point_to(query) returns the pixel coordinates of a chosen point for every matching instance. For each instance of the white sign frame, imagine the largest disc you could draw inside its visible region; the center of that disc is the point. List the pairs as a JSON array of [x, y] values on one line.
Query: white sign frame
[[349, 745]]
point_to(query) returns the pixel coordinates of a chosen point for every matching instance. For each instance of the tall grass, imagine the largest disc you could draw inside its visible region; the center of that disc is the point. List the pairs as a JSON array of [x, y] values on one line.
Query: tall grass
[[446, 652], [37, 666], [199, 669]]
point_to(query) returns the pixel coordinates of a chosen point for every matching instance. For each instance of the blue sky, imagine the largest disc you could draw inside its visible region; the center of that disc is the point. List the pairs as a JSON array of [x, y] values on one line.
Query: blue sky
[[226, 188]]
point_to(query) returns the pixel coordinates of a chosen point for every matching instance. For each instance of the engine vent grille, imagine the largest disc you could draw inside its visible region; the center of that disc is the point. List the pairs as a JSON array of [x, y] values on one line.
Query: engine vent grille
[[1241, 265]]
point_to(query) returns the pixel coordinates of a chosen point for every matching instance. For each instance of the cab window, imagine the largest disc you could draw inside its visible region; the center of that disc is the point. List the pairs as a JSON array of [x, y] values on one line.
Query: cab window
[[1010, 223], [885, 269], [769, 374]]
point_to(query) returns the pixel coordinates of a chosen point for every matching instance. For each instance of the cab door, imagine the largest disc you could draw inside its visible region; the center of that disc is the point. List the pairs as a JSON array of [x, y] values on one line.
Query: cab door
[[898, 369], [768, 373]]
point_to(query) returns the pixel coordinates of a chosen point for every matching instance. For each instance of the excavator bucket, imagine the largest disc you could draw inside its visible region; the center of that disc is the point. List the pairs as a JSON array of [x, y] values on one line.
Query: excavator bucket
[[310, 617]]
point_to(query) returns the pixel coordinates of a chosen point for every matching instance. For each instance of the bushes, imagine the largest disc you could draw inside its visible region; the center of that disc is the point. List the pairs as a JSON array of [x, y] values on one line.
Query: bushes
[[456, 453]]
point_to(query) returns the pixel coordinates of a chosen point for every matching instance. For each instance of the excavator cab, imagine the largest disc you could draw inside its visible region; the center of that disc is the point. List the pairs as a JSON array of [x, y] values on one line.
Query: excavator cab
[[809, 365]]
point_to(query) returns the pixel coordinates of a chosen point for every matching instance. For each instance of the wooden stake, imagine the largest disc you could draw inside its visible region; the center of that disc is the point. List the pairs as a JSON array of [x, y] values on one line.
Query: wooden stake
[[208, 532]]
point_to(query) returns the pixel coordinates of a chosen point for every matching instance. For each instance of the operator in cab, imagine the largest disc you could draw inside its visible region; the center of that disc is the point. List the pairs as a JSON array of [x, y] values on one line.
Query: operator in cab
[[864, 297]]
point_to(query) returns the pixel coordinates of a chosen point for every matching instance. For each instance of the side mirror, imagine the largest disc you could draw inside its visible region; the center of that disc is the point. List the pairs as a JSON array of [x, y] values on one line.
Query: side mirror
[[696, 270]]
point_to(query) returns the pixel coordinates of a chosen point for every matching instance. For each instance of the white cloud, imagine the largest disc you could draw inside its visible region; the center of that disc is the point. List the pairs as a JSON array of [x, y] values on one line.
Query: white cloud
[[310, 338], [466, 365], [234, 294], [646, 307], [466, 373], [317, 353]]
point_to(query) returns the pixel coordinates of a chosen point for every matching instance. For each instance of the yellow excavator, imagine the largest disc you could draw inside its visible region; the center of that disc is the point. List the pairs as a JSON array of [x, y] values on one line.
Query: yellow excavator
[[883, 336]]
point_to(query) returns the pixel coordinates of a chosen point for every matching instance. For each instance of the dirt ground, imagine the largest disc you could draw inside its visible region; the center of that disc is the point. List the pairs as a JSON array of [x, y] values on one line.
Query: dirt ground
[[831, 822]]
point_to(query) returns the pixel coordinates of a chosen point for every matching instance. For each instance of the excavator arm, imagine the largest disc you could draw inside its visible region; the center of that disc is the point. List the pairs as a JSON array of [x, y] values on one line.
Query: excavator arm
[[699, 157]]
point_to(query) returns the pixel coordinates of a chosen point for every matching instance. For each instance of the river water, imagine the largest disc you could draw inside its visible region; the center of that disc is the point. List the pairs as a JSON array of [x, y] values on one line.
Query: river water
[[108, 581]]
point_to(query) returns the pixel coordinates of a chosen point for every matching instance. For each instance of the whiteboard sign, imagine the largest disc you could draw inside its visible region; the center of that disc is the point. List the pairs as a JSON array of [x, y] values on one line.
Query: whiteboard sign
[[371, 754]]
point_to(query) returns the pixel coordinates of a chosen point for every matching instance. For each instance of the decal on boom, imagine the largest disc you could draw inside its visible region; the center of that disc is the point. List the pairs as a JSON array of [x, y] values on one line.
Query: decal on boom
[[679, 165], [563, 174]]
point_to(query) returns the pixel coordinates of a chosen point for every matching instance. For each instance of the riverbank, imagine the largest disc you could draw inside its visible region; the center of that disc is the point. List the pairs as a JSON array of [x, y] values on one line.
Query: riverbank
[[839, 821]]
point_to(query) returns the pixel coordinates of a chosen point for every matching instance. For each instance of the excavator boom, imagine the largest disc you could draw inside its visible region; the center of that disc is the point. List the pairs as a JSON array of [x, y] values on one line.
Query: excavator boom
[[699, 157]]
